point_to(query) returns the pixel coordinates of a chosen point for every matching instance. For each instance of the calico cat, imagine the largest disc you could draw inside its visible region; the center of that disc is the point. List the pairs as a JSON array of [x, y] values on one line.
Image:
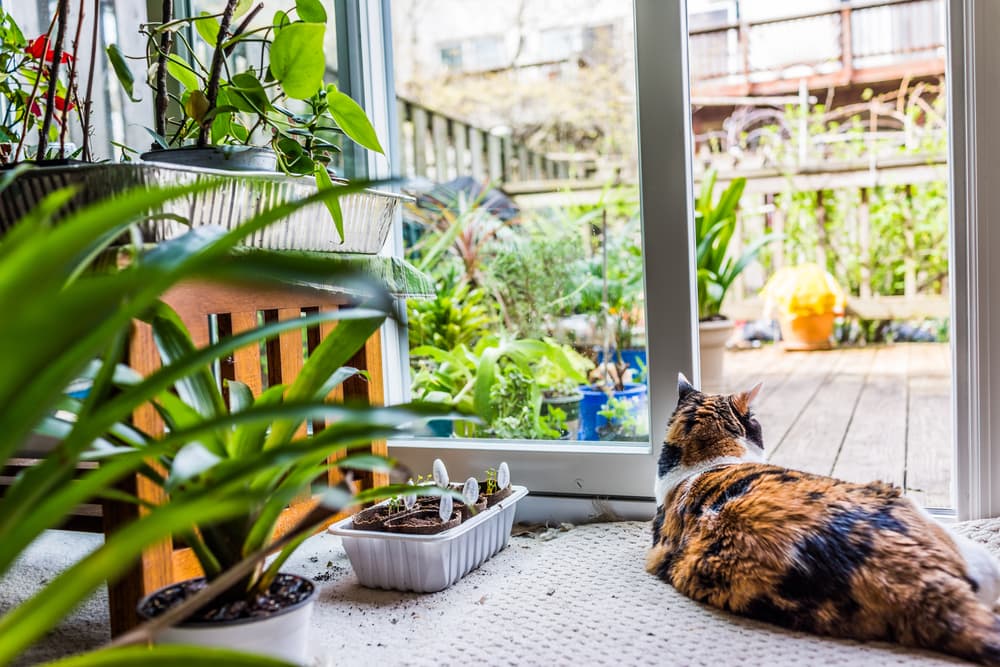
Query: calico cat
[[809, 552]]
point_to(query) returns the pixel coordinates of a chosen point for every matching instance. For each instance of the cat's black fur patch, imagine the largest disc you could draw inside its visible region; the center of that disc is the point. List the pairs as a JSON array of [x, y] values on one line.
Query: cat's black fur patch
[[670, 458]]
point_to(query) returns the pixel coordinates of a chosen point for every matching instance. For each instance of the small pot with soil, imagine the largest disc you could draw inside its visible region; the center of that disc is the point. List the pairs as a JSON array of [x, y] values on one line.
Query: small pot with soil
[[496, 486], [425, 521], [276, 624]]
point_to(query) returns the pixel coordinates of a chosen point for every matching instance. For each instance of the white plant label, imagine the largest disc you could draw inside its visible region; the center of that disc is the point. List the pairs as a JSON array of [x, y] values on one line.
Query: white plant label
[[471, 491], [410, 500], [440, 473], [503, 476], [446, 508]]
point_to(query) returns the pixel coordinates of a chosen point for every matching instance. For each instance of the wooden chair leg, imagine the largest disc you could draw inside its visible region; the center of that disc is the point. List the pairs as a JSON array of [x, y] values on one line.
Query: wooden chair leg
[[153, 570]]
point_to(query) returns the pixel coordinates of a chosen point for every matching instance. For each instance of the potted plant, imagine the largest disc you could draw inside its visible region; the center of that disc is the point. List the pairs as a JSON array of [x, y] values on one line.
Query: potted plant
[[74, 316], [561, 395], [249, 113], [611, 396], [47, 105], [496, 380], [443, 544], [715, 224], [273, 110], [265, 611], [807, 299]]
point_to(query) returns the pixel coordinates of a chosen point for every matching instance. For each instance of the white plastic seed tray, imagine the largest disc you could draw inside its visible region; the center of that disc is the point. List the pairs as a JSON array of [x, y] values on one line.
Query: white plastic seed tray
[[428, 563]]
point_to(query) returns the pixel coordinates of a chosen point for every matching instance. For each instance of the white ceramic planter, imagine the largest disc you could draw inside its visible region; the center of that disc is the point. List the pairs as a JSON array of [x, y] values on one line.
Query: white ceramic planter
[[283, 635], [713, 336], [428, 563]]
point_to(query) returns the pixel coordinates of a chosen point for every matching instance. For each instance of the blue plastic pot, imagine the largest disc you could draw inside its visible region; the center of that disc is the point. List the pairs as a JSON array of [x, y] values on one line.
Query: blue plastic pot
[[630, 356], [595, 400]]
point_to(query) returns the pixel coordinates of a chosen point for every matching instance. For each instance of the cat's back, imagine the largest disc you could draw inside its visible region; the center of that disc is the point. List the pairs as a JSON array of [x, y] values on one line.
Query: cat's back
[[798, 549]]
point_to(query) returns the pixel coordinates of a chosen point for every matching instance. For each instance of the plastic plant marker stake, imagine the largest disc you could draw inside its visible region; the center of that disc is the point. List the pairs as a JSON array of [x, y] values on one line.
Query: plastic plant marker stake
[[440, 473], [445, 510], [471, 491], [411, 499], [503, 476]]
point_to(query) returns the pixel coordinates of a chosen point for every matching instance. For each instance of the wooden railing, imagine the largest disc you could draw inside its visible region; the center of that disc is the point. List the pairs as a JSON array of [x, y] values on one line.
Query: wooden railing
[[760, 214], [861, 42], [441, 148]]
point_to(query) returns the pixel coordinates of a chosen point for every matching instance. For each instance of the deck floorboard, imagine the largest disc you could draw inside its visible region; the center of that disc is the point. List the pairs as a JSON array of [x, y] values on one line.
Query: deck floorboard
[[876, 412]]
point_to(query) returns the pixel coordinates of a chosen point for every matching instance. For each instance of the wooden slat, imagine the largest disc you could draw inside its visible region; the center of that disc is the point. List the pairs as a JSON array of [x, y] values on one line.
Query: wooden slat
[[780, 407], [439, 136], [460, 133], [494, 160], [812, 443], [875, 445], [291, 353], [476, 153], [929, 451], [420, 140], [246, 360]]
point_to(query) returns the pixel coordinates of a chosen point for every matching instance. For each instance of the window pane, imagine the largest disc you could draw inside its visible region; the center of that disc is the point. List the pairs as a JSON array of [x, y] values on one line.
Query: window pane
[[523, 144]]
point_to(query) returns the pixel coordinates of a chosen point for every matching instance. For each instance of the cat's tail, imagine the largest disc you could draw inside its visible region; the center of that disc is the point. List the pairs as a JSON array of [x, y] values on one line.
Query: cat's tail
[[970, 631]]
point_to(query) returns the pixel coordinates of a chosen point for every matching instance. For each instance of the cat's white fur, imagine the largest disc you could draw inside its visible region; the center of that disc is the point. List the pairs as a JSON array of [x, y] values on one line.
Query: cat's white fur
[[980, 565], [681, 474]]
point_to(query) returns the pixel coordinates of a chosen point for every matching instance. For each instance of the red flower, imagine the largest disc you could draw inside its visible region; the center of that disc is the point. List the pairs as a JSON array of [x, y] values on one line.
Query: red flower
[[36, 48], [61, 104], [36, 108]]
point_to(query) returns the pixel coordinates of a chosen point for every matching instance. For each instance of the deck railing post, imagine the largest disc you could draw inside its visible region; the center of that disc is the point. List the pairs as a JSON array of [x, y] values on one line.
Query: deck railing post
[[459, 132], [494, 159], [865, 244], [419, 141], [476, 151], [439, 133]]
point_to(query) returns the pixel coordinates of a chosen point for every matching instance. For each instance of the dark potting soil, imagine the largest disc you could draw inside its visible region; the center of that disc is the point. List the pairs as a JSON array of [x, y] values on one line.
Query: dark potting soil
[[286, 591], [422, 522]]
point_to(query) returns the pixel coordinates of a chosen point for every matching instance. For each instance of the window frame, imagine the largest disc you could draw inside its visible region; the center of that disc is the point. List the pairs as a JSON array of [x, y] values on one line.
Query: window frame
[[569, 471], [624, 472]]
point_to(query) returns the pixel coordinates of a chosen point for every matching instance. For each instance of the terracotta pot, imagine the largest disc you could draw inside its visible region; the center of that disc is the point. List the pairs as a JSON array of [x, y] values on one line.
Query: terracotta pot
[[806, 332], [712, 335]]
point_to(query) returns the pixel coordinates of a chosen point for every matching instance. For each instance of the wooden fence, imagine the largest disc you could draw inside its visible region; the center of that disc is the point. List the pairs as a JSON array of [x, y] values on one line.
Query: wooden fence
[[441, 148]]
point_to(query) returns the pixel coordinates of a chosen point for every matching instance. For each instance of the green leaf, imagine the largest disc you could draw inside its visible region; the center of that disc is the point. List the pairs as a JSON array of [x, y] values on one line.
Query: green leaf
[[297, 59], [168, 656], [323, 181], [247, 89], [351, 119], [280, 20], [182, 72], [311, 11], [122, 70], [160, 140], [242, 7], [208, 28]]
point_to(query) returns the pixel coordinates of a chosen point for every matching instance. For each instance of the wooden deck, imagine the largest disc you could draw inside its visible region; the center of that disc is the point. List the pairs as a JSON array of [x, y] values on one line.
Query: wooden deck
[[877, 412]]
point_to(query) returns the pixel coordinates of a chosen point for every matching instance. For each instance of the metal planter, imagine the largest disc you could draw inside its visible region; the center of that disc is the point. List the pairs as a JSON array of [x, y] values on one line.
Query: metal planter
[[368, 215]]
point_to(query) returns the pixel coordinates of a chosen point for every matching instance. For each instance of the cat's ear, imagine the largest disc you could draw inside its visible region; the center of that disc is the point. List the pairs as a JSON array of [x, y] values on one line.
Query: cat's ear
[[684, 388], [745, 398]]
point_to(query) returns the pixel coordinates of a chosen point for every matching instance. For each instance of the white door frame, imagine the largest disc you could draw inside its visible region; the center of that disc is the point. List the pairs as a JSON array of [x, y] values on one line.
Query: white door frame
[[973, 78]]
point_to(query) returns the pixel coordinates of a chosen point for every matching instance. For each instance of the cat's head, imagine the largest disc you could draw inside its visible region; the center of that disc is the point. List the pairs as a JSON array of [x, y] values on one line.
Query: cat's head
[[705, 427]]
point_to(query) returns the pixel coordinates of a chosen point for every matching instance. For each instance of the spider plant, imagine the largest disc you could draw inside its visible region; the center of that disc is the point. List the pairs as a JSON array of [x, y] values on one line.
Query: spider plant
[[70, 320]]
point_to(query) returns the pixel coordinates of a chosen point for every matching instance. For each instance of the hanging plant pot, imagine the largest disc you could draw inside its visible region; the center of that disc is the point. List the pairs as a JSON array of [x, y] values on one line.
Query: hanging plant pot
[[367, 215], [806, 332], [225, 158], [93, 183], [278, 628]]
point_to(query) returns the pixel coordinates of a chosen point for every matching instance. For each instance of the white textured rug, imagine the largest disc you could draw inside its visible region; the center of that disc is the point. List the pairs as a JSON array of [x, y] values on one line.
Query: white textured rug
[[579, 598]]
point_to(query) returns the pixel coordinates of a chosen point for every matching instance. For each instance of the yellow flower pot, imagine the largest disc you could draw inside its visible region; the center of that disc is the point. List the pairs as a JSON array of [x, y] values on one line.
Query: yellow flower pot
[[806, 332]]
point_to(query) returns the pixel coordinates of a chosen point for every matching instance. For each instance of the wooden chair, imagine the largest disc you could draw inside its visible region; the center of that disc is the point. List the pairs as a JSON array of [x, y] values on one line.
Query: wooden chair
[[229, 309]]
